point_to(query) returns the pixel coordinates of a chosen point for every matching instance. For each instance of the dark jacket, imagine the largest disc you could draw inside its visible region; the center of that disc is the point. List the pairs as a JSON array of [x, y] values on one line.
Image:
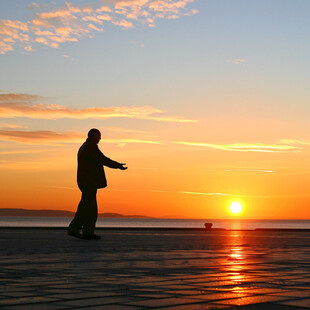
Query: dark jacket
[[90, 170]]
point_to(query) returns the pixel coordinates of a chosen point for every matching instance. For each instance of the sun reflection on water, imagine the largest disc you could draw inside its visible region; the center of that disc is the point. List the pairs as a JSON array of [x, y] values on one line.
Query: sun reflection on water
[[235, 275], [236, 225], [236, 262]]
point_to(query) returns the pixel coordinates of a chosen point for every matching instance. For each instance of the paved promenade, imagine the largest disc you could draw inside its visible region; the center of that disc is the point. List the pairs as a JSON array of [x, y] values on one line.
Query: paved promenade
[[145, 269]]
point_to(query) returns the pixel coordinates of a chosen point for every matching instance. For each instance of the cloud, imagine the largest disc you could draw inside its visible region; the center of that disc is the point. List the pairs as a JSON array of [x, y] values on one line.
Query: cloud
[[174, 192], [16, 98], [250, 170], [22, 105], [16, 152], [37, 165], [46, 42], [94, 27], [123, 136], [169, 6], [125, 141], [207, 194], [243, 147], [11, 126], [28, 48], [145, 168], [192, 12], [39, 137], [100, 18], [155, 190], [111, 135], [59, 14], [173, 17], [12, 32], [68, 57], [238, 61], [124, 24], [70, 23], [9, 25], [5, 47], [33, 6], [53, 137], [295, 141], [104, 8]]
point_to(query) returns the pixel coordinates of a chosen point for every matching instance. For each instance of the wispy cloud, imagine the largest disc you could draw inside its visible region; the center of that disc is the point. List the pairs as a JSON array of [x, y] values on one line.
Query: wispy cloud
[[53, 137], [174, 192], [158, 191], [67, 56], [17, 98], [22, 105], [125, 141], [145, 168], [40, 137], [295, 141], [250, 170], [15, 152], [123, 136], [11, 126], [207, 194], [239, 61], [33, 6], [243, 147], [70, 23], [34, 165]]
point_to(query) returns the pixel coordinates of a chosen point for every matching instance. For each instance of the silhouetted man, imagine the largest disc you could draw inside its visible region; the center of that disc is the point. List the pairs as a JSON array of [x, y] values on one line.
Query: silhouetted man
[[90, 177]]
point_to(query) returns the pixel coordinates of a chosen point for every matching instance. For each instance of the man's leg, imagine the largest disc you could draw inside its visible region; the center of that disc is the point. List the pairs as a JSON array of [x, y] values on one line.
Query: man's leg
[[91, 213], [77, 222]]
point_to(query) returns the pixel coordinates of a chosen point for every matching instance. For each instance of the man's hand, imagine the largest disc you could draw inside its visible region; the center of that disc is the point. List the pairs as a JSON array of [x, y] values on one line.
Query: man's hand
[[122, 166]]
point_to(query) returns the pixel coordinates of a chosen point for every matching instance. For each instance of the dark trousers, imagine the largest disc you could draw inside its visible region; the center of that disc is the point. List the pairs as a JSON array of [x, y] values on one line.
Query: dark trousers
[[86, 215]]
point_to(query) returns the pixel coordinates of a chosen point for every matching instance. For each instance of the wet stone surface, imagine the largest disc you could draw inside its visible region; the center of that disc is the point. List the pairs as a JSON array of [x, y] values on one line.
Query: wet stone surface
[[142, 269]]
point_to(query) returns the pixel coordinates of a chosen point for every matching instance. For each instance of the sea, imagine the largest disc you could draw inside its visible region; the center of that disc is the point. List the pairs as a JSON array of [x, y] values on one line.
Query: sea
[[230, 224]]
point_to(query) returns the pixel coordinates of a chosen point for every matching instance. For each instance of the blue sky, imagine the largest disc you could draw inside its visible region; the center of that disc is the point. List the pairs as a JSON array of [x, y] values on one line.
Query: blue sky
[[229, 57], [188, 56]]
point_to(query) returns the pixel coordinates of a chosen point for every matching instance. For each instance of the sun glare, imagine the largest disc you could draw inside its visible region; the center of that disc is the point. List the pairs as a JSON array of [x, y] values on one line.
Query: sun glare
[[235, 207]]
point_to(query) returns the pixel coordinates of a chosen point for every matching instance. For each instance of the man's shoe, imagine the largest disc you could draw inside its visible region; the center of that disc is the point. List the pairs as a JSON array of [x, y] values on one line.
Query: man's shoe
[[74, 234], [91, 237]]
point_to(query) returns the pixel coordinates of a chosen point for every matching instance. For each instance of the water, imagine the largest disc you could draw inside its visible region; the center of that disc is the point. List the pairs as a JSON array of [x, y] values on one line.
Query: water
[[158, 223]]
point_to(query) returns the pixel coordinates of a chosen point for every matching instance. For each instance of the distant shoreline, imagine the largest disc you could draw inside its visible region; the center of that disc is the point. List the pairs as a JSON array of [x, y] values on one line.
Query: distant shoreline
[[59, 213], [20, 212]]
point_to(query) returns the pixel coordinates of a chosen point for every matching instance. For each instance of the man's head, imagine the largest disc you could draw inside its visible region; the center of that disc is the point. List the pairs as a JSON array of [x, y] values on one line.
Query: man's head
[[94, 135]]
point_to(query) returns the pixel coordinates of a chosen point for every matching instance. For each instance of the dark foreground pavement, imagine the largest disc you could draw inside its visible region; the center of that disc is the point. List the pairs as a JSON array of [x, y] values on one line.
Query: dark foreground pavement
[[144, 269]]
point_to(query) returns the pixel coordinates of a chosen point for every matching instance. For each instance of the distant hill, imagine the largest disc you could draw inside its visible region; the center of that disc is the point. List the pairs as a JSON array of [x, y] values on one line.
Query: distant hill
[[121, 215], [59, 213]]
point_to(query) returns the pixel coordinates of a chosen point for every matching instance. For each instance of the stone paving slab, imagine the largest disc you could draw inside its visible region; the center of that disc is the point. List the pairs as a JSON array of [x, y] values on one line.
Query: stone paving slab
[[158, 269]]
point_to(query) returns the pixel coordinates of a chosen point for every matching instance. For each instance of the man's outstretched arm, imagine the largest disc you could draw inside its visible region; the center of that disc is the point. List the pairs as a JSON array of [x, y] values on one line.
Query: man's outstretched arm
[[106, 161], [112, 163]]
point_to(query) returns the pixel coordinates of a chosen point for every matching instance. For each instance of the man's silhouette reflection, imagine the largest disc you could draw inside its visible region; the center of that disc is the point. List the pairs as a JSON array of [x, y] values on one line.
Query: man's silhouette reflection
[[90, 177]]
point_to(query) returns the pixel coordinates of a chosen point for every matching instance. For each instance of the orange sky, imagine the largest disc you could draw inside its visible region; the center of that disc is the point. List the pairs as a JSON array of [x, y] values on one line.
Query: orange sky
[[165, 180]]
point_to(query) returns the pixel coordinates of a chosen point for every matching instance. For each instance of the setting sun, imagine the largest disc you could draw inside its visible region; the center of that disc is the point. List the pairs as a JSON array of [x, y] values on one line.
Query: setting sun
[[235, 207]]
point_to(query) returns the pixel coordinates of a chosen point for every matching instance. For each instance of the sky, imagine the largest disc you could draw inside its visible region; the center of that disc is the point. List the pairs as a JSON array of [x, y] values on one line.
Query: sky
[[207, 102]]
